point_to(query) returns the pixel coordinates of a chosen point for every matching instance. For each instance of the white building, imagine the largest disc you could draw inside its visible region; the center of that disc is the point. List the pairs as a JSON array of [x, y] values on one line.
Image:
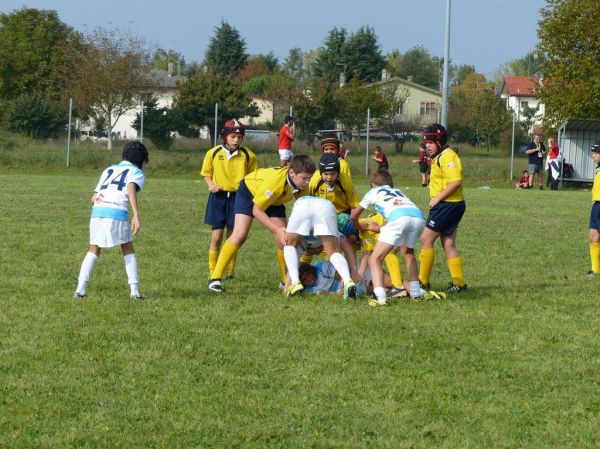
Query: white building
[[519, 92]]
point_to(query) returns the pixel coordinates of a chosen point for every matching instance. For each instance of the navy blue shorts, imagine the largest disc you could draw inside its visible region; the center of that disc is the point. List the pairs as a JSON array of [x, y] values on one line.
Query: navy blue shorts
[[244, 204], [445, 217], [595, 216], [219, 210]]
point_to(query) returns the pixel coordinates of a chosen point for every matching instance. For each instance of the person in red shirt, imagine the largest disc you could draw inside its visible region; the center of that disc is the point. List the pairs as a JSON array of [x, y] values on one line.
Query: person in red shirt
[[523, 180], [286, 136], [379, 156], [424, 162], [553, 164]]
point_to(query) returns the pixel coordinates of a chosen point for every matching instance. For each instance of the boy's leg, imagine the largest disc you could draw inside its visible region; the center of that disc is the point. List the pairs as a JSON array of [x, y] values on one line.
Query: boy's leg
[[453, 259], [393, 266], [281, 222], [232, 244], [87, 266], [290, 253], [594, 242], [375, 259], [131, 268], [232, 262], [216, 236], [412, 268], [427, 256]]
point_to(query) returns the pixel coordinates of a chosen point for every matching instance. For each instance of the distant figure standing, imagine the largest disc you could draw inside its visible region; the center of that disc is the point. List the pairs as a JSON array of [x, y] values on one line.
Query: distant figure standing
[[424, 161], [535, 150], [343, 152], [286, 136], [553, 164], [379, 157]]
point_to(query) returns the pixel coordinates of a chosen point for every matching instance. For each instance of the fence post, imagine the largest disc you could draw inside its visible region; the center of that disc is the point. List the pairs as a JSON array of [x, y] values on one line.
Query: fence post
[[69, 132]]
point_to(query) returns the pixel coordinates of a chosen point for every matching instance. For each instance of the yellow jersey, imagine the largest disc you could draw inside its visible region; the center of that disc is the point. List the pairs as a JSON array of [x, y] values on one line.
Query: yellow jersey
[[446, 167], [345, 167], [227, 169], [368, 238], [271, 187], [342, 194], [596, 186]]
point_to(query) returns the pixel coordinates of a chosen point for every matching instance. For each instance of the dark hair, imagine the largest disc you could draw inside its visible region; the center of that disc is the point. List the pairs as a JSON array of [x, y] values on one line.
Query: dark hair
[[382, 178], [306, 268], [288, 119], [301, 163], [423, 146], [136, 153]]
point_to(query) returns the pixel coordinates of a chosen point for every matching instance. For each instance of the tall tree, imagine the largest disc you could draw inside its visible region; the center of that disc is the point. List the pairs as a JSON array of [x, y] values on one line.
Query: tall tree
[[421, 66], [569, 34], [331, 58], [254, 66], [294, 65], [226, 53], [363, 56], [108, 74], [195, 103], [316, 109], [162, 58], [159, 124]]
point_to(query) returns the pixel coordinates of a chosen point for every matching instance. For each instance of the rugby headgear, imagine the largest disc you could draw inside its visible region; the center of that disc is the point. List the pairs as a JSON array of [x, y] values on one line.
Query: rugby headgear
[[436, 133], [136, 153], [595, 147], [233, 126], [330, 142], [329, 162]]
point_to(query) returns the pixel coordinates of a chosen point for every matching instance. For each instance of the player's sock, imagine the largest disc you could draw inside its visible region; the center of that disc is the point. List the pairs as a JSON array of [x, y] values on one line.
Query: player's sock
[[305, 258], [87, 266], [426, 260], [393, 266], [379, 293], [456, 271], [228, 251], [415, 289], [213, 256], [291, 261], [595, 257], [131, 268], [231, 265], [281, 262], [341, 266]]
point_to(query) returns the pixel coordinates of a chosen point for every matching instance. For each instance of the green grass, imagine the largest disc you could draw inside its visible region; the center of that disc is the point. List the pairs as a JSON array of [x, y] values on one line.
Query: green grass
[[512, 363]]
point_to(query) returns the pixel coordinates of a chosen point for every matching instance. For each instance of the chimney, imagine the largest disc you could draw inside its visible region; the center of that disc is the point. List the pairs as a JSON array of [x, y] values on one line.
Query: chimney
[[170, 69], [384, 75]]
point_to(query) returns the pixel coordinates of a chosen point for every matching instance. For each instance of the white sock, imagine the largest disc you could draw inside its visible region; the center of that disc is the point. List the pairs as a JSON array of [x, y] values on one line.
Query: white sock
[[87, 266], [415, 289], [131, 268], [341, 265], [380, 294], [291, 260]]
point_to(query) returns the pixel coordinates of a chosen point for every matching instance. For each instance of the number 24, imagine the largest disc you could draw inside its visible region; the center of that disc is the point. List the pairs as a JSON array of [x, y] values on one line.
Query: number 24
[[119, 181]]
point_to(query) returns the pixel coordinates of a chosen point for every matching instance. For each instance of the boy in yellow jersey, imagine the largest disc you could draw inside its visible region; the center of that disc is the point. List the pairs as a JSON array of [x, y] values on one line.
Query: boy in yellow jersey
[[223, 168], [594, 234], [446, 208], [331, 145], [262, 195], [333, 185]]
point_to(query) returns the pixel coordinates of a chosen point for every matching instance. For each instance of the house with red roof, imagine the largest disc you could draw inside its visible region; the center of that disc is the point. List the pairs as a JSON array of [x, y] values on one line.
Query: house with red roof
[[519, 93]]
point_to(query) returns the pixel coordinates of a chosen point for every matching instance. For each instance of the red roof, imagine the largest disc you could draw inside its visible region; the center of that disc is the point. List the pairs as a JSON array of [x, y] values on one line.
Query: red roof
[[520, 86]]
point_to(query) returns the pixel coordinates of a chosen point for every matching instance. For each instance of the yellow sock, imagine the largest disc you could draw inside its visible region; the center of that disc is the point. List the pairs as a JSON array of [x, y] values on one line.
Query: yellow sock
[[281, 261], [231, 265], [595, 256], [228, 251], [426, 260], [456, 271], [305, 258], [213, 256], [393, 266]]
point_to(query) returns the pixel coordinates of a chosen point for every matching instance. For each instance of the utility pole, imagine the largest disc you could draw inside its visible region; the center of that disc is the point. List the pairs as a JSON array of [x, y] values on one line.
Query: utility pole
[[445, 86]]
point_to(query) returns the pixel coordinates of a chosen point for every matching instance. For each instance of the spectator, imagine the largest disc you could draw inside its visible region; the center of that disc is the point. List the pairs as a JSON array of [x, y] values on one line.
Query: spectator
[[523, 180], [380, 158], [343, 152], [286, 136], [424, 161], [535, 150], [553, 164]]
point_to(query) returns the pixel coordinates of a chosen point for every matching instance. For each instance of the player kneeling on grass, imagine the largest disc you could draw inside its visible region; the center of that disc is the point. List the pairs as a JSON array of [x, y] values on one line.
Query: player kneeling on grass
[[315, 216], [405, 222], [109, 225]]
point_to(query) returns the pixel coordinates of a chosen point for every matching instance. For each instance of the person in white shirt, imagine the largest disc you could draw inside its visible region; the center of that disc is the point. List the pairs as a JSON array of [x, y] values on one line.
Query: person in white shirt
[[109, 224]]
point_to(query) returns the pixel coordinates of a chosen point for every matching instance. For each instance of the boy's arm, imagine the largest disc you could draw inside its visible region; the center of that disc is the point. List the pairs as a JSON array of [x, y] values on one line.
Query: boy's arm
[[262, 216], [449, 190], [212, 187], [132, 193]]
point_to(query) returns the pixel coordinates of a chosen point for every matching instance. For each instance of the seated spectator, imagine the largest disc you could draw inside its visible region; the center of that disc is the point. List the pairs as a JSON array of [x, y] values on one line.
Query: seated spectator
[[523, 181]]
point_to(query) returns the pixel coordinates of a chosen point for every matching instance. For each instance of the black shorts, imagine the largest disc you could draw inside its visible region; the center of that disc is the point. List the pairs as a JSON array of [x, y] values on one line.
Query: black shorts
[[219, 210], [445, 217], [595, 216], [244, 203], [424, 167]]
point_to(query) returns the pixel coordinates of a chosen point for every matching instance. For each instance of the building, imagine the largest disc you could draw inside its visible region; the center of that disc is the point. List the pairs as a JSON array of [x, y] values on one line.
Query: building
[[519, 94]]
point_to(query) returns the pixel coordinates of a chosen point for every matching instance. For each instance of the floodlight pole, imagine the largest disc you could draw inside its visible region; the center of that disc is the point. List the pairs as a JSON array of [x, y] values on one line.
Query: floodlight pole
[[367, 145], [69, 132], [445, 87]]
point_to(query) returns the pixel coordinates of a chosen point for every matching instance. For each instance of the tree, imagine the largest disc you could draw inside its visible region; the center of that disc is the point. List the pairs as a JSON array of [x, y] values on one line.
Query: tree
[[421, 66], [254, 67], [459, 73], [363, 56], [162, 58], [316, 109], [226, 53], [331, 58], [108, 74], [195, 104], [36, 116], [569, 40], [529, 65], [279, 88], [159, 124], [294, 65]]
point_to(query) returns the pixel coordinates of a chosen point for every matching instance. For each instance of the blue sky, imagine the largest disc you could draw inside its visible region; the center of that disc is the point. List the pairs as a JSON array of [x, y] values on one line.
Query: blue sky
[[484, 33]]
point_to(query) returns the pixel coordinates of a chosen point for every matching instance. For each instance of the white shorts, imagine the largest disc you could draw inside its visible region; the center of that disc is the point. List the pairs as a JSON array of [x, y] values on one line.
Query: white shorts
[[402, 231], [313, 214], [285, 155], [107, 232]]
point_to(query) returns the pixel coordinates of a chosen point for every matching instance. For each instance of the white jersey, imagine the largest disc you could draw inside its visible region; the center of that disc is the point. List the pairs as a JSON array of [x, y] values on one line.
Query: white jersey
[[326, 281], [391, 203], [112, 200]]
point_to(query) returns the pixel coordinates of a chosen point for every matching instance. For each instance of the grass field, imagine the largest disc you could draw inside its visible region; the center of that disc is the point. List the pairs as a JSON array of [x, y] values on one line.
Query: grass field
[[512, 363]]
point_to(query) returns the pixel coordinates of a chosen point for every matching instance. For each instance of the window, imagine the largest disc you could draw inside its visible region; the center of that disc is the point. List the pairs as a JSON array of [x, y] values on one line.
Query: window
[[524, 104], [401, 109], [429, 108]]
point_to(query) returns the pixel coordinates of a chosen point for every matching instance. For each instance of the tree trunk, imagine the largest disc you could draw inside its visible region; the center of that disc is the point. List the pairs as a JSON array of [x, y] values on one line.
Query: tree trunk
[[109, 127]]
